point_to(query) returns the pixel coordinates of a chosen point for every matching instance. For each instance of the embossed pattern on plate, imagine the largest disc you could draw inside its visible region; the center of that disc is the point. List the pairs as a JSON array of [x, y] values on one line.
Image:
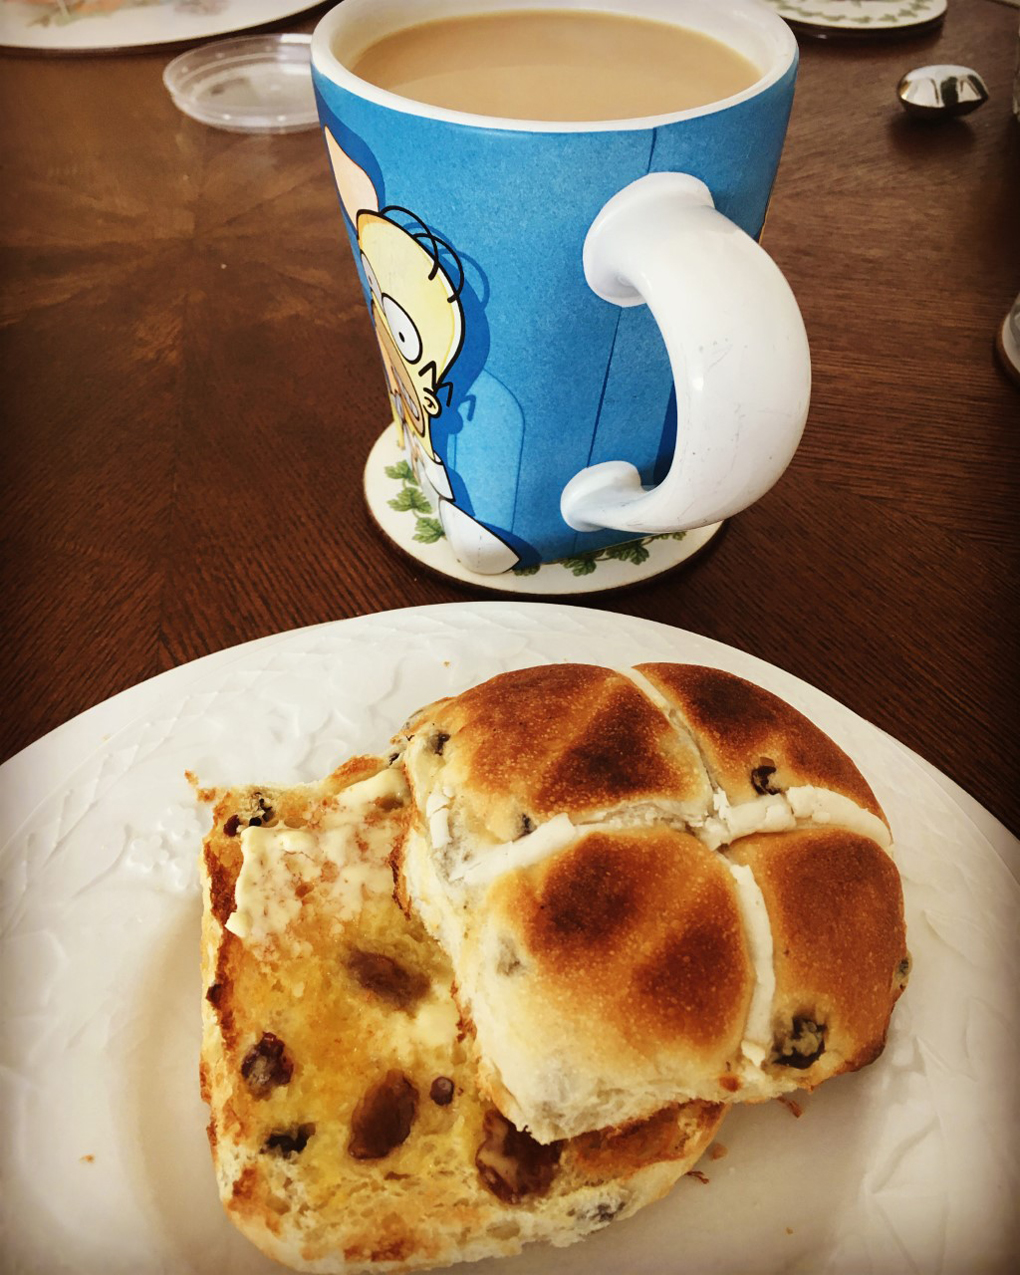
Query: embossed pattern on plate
[[909, 1165]]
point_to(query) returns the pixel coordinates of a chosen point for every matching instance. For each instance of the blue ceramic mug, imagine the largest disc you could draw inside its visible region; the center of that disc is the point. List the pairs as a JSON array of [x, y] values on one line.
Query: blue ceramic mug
[[582, 340]]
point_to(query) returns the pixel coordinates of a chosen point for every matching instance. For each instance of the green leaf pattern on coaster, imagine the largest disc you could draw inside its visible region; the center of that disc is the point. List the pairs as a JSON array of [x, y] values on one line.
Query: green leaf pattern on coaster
[[631, 551], [411, 499], [429, 530], [583, 564]]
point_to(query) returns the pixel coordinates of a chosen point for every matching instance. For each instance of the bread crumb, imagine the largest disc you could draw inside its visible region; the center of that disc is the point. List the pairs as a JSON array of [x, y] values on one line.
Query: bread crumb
[[88, 1159], [717, 1151], [792, 1106], [789, 1230], [696, 1173]]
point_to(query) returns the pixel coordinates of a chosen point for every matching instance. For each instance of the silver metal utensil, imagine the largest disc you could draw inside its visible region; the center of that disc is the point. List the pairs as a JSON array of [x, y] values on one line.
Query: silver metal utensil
[[941, 91]]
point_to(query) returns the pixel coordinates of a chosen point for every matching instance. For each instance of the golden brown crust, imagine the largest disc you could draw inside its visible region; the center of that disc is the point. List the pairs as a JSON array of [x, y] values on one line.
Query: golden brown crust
[[635, 935], [752, 741], [618, 1152], [570, 738], [573, 826], [836, 906]]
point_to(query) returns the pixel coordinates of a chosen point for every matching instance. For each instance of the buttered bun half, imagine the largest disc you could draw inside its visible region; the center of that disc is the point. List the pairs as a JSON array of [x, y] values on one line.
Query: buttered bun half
[[653, 885], [347, 1131]]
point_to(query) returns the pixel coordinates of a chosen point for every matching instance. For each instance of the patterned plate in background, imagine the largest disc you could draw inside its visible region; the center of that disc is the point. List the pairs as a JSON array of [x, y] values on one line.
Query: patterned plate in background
[[861, 17], [87, 26]]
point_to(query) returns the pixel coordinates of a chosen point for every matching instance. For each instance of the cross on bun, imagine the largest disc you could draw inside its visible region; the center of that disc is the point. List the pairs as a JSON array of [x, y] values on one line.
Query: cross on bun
[[657, 885]]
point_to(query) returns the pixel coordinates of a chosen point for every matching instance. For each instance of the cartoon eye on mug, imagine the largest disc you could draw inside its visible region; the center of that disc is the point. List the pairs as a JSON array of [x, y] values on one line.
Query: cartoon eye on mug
[[404, 332]]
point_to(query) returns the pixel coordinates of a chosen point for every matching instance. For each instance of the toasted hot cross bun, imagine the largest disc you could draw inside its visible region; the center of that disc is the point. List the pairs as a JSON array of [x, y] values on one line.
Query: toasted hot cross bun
[[656, 885]]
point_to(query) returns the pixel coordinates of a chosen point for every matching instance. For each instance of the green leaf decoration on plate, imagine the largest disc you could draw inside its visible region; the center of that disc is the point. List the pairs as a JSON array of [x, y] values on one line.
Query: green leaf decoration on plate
[[429, 530], [533, 570]]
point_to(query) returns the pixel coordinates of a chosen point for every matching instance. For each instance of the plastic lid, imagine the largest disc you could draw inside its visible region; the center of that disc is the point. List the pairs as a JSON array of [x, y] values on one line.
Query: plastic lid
[[251, 84]]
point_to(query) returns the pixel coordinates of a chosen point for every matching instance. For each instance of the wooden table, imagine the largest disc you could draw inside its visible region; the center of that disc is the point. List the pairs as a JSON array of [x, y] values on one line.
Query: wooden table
[[190, 388]]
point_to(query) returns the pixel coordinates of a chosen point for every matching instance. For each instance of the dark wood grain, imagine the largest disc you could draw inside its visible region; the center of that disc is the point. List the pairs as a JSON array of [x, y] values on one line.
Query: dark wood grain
[[190, 387]]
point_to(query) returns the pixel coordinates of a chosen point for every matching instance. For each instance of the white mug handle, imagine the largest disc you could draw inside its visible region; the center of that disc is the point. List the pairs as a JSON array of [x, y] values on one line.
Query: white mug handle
[[736, 344]]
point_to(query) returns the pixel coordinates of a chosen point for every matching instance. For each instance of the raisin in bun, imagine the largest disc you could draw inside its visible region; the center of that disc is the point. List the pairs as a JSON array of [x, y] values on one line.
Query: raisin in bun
[[347, 1128], [653, 886]]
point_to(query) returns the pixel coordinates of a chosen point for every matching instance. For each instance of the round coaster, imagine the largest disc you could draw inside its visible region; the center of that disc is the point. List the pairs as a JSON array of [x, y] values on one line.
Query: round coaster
[[861, 17], [408, 516]]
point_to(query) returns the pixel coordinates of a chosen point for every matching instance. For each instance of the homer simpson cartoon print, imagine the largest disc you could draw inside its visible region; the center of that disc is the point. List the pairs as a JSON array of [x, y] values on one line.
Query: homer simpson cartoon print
[[419, 324]]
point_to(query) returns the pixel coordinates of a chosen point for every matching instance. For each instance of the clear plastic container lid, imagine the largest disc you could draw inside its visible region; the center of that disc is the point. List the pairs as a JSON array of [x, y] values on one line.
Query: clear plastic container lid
[[251, 84]]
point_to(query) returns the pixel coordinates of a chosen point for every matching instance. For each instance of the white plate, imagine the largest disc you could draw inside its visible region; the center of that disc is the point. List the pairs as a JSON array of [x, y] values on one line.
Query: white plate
[[910, 1165], [83, 26]]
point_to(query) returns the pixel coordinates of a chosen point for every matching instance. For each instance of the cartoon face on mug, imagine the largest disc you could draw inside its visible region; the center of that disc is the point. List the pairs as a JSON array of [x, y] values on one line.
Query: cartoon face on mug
[[415, 279], [415, 303], [419, 334]]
